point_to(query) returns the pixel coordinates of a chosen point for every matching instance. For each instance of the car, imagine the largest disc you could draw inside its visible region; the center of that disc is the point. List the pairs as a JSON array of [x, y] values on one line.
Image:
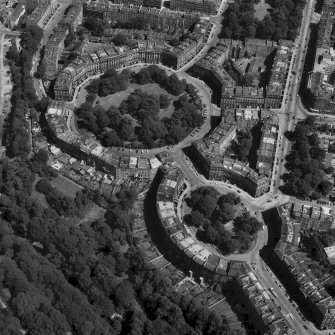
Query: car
[[305, 327]]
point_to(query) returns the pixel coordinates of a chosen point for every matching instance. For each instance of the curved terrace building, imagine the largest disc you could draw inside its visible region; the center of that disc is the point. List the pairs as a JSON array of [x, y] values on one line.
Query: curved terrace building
[[88, 65], [210, 156], [86, 149], [261, 309], [167, 197]]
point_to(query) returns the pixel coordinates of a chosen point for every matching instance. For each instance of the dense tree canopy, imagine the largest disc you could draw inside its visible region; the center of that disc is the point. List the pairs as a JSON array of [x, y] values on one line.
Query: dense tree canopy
[[305, 163], [241, 146], [211, 211], [16, 130], [114, 126], [94, 25], [77, 278], [282, 21], [109, 83]]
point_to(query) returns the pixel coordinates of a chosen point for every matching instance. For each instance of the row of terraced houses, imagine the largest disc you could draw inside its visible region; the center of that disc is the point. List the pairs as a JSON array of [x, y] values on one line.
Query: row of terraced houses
[[259, 306]]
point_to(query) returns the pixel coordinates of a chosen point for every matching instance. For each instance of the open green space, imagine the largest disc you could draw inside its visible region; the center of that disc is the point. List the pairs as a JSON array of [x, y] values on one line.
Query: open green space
[[116, 99], [66, 186], [261, 9], [144, 109], [219, 220]]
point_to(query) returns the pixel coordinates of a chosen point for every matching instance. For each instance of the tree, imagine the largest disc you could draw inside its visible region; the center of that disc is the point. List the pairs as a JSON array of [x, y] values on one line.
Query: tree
[[197, 218], [94, 25], [114, 117], [124, 294], [247, 223], [41, 156], [111, 139], [174, 42], [120, 39], [126, 129], [164, 101], [116, 217], [329, 170], [325, 187]]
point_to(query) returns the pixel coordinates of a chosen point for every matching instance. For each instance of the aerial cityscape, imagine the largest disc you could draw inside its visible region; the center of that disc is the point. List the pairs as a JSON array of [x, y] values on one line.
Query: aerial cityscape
[[167, 167]]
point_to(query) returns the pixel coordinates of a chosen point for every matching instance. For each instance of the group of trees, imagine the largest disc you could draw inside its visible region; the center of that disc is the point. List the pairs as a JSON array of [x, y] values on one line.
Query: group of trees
[[154, 74], [108, 125], [77, 278], [94, 25], [241, 146], [64, 205], [114, 126], [109, 83], [282, 21], [211, 211], [16, 129], [305, 163]]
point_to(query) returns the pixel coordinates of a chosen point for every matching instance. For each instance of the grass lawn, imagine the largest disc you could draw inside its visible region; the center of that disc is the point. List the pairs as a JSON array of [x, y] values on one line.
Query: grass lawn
[[94, 214], [40, 198], [116, 99], [261, 9], [66, 186]]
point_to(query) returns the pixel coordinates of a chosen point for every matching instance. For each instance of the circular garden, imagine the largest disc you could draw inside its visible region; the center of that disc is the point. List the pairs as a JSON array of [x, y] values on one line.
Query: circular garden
[[219, 219], [144, 109]]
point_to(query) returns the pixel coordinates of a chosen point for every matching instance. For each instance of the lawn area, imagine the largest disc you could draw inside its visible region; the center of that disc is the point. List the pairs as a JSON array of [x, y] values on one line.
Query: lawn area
[[116, 99], [94, 214], [261, 9], [66, 186], [40, 198]]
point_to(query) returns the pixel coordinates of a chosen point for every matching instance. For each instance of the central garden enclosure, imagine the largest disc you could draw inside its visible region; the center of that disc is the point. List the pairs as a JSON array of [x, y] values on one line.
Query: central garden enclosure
[[143, 109]]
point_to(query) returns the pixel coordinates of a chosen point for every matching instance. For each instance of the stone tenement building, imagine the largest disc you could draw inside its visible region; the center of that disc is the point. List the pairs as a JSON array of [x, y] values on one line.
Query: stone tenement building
[[158, 18], [109, 56], [42, 12], [202, 6], [93, 153], [263, 97], [321, 81], [309, 289], [231, 94], [262, 312], [180, 55], [146, 3], [55, 45], [210, 154]]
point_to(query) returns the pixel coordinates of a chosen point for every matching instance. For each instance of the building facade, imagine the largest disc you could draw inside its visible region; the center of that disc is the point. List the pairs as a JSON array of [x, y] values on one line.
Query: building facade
[[157, 18], [180, 55], [202, 6], [321, 81], [308, 288], [41, 13]]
